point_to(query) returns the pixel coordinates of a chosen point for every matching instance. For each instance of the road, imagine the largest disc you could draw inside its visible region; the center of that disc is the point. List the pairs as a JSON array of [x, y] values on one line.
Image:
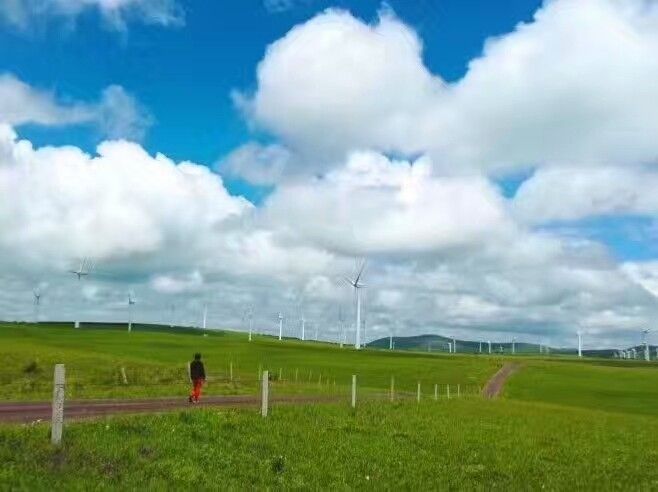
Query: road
[[34, 411]]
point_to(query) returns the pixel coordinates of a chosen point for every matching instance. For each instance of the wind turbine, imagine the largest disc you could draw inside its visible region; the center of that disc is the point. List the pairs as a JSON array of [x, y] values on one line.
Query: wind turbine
[[342, 327], [205, 315], [355, 282], [454, 345], [647, 357], [390, 341], [131, 303], [37, 299], [280, 326], [250, 317], [513, 345], [580, 343], [489, 342], [83, 271]]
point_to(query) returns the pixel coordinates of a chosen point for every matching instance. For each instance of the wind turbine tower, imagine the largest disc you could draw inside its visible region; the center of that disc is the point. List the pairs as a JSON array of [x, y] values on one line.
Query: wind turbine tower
[[131, 303], [580, 343], [250, 316], [205, 315], [280, 326], [303, 327], [647, 356], [489, 342], [514, 345], [355, 282], [83, 271]]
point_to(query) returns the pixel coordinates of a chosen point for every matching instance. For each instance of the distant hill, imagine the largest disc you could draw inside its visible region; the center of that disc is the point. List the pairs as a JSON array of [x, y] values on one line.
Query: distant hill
[[438, 343]]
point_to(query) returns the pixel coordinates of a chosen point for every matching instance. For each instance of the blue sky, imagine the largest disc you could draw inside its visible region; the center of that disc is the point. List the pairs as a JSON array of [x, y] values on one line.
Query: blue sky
[[184, 75]]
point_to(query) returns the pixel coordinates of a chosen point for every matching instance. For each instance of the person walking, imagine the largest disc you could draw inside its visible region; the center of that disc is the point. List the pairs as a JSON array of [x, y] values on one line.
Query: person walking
[[198, 377]]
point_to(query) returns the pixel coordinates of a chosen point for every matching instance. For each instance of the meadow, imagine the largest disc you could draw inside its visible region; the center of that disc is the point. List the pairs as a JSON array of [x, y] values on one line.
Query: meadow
[[561, 423], [156, 364]]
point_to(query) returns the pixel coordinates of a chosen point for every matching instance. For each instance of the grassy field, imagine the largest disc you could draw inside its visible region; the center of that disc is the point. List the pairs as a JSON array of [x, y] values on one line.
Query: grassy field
[[618, 386], [156, 364], [450, 444], [562, 424]]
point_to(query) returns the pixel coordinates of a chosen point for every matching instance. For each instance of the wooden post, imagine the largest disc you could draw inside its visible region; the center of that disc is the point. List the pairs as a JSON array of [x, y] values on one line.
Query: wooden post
[[392, 395], [123, 375], [265, 393], [57, 421], [353, 390], [458, 390], [418, 393], [436, 391]]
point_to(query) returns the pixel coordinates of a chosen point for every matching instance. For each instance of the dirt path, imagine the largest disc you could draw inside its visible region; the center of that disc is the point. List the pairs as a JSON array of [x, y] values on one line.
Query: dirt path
[[33, 411], [497, 382]]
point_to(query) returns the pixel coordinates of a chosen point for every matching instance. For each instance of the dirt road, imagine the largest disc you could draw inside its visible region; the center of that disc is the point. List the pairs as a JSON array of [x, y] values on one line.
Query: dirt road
[[33, 411], [497, 382]]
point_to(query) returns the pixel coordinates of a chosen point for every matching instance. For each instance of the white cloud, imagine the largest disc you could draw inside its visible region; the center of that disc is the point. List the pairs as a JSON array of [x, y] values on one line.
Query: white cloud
[[258, 164], [116, 13], [117, 115], [377, 206], [571, 193], [577, 84]]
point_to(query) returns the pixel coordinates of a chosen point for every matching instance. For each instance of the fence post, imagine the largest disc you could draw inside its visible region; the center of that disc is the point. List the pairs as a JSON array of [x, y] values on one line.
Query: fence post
[[448, 391], [436, 391], [392, 396], [320, 380], [57, 421], [265, 393], [458, 390], [353, 390], [418, 393], [123, 375]]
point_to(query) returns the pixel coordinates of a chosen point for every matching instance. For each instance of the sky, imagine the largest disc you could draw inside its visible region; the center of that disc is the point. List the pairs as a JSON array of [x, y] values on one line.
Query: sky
[[494, 163]]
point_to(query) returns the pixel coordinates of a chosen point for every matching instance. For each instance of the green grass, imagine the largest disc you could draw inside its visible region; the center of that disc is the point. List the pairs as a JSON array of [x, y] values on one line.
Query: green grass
[[618, 386], [156, 364], [465, 444]]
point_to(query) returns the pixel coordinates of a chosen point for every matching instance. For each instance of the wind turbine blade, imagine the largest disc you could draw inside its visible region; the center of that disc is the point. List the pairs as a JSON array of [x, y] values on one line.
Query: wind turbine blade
[[349, 281], [363, 265]]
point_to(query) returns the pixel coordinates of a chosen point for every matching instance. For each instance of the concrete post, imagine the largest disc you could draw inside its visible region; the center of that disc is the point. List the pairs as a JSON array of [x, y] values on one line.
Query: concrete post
[[57, 421], [265, 393], [436, 391], [418, 393], [353, 390]]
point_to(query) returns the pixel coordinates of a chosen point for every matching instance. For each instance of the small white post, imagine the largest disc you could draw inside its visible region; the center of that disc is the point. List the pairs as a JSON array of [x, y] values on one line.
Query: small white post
[[76, 324], [123, 375], [436, 391], [57, 422], [448, 391], [392, 395], [265, 393], [230, 369], [353, 390], [458, 390], [418, 393]]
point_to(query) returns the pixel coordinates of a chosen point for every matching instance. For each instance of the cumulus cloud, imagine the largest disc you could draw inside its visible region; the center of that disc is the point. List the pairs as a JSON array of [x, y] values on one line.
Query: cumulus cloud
[[377, 206], [115, 13], [117, 115], [258, 164], [571, 193], [574, 84]]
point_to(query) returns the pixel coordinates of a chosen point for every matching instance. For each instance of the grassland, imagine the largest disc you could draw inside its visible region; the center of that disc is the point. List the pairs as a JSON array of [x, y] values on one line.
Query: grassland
[[463, 444], [563, 424], [156, 364], [617, 386]]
